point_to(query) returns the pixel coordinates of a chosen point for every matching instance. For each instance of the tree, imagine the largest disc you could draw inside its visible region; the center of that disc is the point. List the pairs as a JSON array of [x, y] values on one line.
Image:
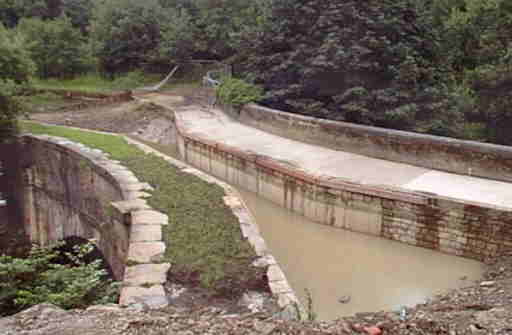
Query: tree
[[11, 11], [16, 67], [206, 29], [58, 49], [371, 62], [126, 33], [79, 12]]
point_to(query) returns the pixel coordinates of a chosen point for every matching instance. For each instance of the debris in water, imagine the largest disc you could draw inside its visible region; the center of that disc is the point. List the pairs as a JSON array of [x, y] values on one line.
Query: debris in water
[[403, 313], [344, 299]]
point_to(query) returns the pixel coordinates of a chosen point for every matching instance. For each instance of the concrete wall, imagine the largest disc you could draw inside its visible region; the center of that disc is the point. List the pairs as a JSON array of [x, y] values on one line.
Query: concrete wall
[[451, 226], [438, 153]]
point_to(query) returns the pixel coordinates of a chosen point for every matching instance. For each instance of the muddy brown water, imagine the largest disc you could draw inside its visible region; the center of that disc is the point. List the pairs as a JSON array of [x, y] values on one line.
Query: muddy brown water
[[366, 273], [372, 273]]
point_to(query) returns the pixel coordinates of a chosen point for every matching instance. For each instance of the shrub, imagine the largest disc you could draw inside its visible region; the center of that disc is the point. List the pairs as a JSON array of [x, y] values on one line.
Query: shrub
[[237, 92], [41, 278]]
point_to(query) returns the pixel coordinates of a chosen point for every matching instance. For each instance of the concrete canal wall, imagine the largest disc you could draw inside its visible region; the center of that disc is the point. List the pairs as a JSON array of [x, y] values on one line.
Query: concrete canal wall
[[453, 226]]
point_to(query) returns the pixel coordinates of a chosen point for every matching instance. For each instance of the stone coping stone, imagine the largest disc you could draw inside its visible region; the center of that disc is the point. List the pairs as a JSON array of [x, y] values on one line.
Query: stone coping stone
[[149, 217], [274, 273], [146, 233], [135, 294], [146, 274], [145, 252], [129, 206]]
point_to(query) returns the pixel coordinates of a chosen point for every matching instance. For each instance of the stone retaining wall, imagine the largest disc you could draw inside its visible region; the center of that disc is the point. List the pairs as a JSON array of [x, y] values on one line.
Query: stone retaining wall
[[127, 230], [433, 152], [70, 190]]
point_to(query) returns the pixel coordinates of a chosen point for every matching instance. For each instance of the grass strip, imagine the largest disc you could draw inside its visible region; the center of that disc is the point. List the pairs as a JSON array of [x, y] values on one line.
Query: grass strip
[[204, 242], [95, 83]]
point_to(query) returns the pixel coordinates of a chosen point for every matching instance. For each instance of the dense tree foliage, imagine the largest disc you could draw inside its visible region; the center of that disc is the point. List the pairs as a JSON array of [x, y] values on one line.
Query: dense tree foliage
[[126, 33], [206, 29], [58, 49], [477, 43], [12, 11], [435, 66], [16, 67], [425, 66], [369, 62]]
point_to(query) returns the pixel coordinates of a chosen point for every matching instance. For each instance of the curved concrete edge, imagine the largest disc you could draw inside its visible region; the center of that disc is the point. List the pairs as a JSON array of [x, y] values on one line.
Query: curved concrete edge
[[464, 157], [457, 227], [144, 273], [278, 283]]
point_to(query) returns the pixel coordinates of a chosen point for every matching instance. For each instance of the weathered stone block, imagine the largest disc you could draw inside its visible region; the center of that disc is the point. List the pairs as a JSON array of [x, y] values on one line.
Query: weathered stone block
[[274, 273], [128, 206], [146, 274], [149, 217], [281, 286], [135, 294], [146, 233], [145, 252]]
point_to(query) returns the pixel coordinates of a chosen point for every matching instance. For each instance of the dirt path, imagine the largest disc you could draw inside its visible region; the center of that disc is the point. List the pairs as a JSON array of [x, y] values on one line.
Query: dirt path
[[119, 118]]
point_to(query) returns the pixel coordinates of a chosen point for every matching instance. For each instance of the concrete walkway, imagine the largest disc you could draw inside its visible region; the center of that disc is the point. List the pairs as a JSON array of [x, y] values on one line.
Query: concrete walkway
[[214, 125]]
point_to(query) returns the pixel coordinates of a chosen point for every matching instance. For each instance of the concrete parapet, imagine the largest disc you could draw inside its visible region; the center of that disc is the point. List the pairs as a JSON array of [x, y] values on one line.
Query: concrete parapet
[[433, 152]]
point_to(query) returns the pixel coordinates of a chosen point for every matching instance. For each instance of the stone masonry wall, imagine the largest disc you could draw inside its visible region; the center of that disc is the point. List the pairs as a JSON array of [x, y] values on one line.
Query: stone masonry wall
[[438, 153], [70, 190]]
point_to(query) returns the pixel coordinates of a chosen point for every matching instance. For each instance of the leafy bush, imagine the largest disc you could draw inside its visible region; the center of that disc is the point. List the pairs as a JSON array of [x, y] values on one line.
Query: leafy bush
[[41, 278], [237, 92]]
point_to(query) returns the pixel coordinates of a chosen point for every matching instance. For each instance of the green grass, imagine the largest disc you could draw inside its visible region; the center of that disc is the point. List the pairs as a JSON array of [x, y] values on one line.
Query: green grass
[[94, 83], [205, 245]]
